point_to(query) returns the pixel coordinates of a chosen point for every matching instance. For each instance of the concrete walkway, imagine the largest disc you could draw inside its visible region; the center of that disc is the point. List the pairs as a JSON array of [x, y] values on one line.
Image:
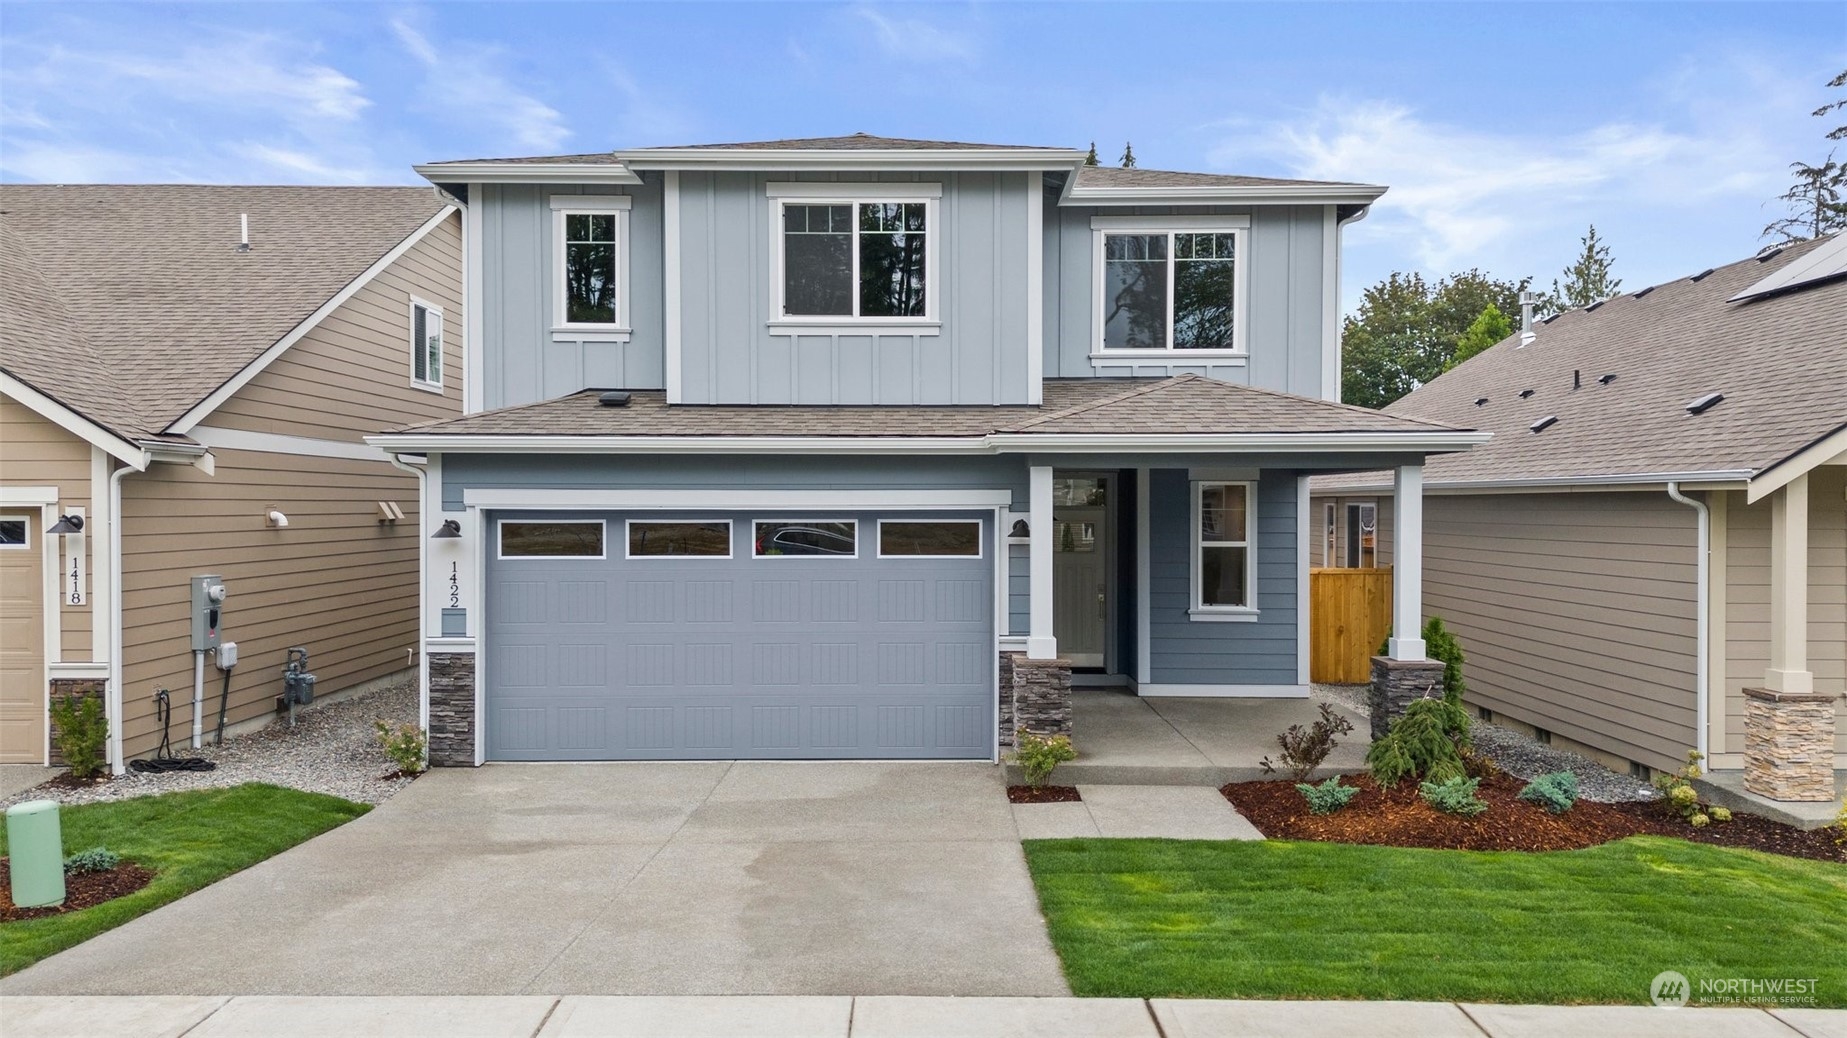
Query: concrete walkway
[[1162, 812], [17, 778], [872, 1017], [747, 878]]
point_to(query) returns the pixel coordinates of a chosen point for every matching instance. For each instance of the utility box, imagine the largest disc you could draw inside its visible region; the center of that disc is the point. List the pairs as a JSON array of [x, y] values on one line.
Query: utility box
[[208, 595], [35, 854]]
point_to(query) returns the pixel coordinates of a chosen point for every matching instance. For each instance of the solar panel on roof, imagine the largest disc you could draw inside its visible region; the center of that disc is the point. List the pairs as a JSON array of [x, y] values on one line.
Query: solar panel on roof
[[1825, 263]]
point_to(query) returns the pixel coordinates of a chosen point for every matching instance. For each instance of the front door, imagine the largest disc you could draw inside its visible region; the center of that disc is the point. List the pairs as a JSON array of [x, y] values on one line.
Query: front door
[[1080, 551], [22, 641]]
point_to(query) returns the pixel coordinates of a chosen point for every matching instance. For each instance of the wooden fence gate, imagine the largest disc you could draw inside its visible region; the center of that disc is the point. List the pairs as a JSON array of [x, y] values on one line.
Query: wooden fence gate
[[1349, 613]]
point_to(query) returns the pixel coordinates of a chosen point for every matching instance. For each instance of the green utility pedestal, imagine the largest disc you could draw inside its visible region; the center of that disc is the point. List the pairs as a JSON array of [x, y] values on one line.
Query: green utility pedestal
[[35, 849]]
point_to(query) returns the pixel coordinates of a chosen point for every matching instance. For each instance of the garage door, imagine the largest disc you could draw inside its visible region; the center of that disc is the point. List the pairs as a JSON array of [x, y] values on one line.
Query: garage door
[[632, 636], [22, 641]]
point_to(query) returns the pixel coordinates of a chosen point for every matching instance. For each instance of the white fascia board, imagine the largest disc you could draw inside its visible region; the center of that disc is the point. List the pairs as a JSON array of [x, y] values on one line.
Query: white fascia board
[[273, 443], [1781, 474], [1266, 443], [526, 173], [735, 500], [1000, 443], [776, 159], [72, 422], [251, 370], [1724, 479], [1204, 194]]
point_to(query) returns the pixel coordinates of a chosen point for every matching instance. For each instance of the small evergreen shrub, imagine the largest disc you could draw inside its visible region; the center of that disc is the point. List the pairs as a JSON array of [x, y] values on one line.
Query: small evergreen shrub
[[1427, 742], [1303, 749], [1840, 824], [1720, 814], [1328, 797], [1039, 755], [1555, 792], [405, 745], [1456, 796], [96, 859], [82, 731], [1677, 788]]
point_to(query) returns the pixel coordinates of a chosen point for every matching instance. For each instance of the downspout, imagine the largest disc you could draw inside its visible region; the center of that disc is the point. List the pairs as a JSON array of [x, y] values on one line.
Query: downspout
[[113, 690], [423, 588], [1703, 620]]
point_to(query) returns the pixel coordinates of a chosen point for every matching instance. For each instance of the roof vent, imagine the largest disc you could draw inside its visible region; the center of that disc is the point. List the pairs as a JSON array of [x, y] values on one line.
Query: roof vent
[[1769, 254], [1544, 423], [1701, 276], [613, 398], [1480, 400], [1595, 305], [1577, 379], [1645, 291], [1525, 393], [243, 221], [1604, 380], [1548, 319], [1705, 403]]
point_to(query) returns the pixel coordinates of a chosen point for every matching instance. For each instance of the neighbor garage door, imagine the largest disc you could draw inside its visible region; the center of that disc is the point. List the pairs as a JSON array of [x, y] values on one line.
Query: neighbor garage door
[[633, 636]]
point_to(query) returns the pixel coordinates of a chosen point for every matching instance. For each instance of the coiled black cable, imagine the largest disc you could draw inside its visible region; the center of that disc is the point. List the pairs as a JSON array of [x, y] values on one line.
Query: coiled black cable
[[163, 760]]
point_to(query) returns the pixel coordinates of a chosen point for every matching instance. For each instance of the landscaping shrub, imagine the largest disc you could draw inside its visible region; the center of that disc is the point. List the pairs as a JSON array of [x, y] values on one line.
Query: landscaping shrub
[[1328, 797], [405, 746], [96, 859], [1478, 765], [1303, 749], [1038, 755], [1427, 742], [1555, 792], [1442, 646], [1456, 796], [82, 730], [1677, 788]]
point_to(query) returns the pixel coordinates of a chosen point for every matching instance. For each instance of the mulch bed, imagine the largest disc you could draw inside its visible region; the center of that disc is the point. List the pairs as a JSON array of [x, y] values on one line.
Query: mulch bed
[[1043, 794], [1400, 818], [66, 780], [84, 890]]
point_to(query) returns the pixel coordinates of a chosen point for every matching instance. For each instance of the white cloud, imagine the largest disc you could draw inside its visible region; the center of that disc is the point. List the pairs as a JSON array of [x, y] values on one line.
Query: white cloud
[[295, 163], [914, 39], [465, 80]]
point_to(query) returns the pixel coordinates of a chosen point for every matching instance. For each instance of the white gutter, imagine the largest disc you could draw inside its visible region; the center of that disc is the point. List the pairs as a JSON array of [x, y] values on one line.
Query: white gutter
[[423, 587], [1738, 476], [526, 172], [1703, 620], [992, 444], [1227, 194]]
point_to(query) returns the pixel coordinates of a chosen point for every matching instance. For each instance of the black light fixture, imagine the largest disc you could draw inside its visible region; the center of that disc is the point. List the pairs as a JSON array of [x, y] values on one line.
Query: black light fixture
[[449, 528], [1020, 529], [68, 524]]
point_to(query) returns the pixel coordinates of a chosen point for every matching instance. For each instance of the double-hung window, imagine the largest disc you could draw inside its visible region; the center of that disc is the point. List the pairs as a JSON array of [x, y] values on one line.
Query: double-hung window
[[590, 264], [1170, 285], [1224, 549], [856, 253], [426, 345]]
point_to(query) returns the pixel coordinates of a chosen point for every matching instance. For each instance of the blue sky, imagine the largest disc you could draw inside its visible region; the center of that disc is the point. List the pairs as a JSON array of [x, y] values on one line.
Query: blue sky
[[1502, 129]]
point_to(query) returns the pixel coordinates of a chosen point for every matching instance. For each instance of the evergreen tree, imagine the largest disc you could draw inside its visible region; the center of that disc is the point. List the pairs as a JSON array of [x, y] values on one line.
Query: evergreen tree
[[1407, 331], [1815, 204], [1587, 280], [1128, 156], [1489, 328], [1839, 133], [1091, 159]]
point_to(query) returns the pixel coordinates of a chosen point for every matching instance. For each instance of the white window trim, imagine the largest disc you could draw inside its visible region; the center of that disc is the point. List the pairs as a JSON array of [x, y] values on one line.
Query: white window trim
[[562, 206], [430, 309], [730, 539], [25, 545], [1330, 534], [854, 523], [981, 540], [930, 195], [1198, 610], [1237, 226], [500, 540]]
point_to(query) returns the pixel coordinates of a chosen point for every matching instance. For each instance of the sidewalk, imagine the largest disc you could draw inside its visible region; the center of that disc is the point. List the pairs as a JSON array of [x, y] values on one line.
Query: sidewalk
[[752, 1016]]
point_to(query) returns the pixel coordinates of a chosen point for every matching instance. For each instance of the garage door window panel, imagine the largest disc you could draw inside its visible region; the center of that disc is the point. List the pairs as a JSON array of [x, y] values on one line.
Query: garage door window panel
[[805, 538], [661, 539], [558, 539], [941, 539]]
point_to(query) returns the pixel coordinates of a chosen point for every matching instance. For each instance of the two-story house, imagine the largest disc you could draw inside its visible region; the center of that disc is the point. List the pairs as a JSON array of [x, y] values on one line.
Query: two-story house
[[859, 447]]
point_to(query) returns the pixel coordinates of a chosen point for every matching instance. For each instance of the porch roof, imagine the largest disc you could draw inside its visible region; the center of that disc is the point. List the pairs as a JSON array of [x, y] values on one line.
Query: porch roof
[[1125, 412]]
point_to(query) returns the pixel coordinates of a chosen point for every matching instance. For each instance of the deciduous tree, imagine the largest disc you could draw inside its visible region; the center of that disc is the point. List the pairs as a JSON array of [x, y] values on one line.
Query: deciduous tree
[[1407, 331]]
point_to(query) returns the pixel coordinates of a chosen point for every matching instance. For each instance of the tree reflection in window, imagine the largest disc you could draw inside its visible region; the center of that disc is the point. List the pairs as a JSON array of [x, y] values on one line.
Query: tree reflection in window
[[590, 268]]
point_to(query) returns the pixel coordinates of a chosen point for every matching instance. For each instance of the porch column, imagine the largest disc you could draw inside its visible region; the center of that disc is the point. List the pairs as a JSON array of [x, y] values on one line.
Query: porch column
[[1407, 642], [1041, 644], [1789, 590]]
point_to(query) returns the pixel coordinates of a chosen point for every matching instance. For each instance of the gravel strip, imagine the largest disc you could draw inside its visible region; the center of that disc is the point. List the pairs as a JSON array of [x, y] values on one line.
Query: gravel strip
[[1518, 755], [332, 749]]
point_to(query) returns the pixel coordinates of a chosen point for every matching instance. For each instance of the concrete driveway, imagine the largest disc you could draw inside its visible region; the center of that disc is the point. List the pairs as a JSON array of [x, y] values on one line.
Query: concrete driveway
[[747, 878]]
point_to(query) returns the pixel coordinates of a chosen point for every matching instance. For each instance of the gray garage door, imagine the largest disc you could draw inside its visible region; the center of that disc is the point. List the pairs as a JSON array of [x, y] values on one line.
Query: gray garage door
[[637, 636]]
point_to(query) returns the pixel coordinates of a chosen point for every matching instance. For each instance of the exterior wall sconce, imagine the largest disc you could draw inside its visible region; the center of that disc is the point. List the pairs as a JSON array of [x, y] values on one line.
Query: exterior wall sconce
[[1020, 529], [68, 524], [449, 528]]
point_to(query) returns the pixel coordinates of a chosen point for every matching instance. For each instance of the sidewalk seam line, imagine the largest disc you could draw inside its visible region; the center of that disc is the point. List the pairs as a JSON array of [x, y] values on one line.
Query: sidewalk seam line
[[1772, 1014], [1156, 710], [1148, 1004], [1470, 1017], [852, 1011], [547, 1018], [195, 1024]]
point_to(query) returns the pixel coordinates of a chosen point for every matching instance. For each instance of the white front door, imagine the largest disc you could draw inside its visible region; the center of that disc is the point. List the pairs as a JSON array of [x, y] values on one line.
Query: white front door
[[1080, 568]]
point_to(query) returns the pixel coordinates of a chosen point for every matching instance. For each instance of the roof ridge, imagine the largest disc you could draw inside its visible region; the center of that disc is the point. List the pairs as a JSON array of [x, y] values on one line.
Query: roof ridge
[[1343, 406], [1128, 394]]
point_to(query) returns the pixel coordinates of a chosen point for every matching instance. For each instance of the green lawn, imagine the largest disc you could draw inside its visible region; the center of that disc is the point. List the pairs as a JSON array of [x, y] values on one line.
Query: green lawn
[[190, 840], [1280, 919]]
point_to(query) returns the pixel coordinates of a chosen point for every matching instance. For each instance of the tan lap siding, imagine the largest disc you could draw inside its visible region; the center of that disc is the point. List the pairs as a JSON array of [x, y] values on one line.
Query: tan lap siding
[[351, 375], [335, 580], [37, 453], [1747, 627], [1577, 612]]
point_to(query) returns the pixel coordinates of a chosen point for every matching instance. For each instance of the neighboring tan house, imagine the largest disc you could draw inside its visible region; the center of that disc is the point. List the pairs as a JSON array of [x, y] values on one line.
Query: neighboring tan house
[[911, 434], [1566, 553], [186, 372]]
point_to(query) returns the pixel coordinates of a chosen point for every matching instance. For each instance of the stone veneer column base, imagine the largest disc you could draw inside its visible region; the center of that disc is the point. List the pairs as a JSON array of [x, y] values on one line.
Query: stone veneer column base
[[452, 710], [1789, 744], [1395, 683], [1035, 696], [62, 688]]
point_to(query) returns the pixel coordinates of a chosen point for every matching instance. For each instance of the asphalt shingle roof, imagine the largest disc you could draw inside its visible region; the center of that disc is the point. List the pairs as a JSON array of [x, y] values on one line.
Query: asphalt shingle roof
[[150, 280], [1781, 362], [1116, 176]]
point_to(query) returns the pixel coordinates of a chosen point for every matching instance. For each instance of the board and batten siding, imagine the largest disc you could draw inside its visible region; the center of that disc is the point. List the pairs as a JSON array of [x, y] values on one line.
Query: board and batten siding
[[1577, 613], [335, 581], [730, 354], [522, 359], [1747, 598], [350, 375], [1185, 651], [1286, 322], [35, 452]]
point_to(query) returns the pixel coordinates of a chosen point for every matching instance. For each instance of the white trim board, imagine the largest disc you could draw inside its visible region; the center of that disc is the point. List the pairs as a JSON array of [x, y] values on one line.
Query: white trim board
[[995, 443], [1166, 691], [473, 289], [275, 443], [218, 396], [737, 500], [670, 286]]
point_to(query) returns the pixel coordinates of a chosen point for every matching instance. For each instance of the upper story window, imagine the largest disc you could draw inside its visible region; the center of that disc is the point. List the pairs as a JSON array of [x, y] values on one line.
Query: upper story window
[[856, 253], [426, 345], [1170, 284], [590, 262]]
